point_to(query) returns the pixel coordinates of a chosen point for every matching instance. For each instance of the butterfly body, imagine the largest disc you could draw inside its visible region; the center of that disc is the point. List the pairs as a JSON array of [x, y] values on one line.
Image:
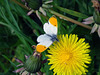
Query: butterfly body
[[53, 37]]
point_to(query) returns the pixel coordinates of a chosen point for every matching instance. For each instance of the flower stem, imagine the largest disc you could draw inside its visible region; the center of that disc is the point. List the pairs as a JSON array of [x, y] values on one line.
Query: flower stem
[[69, 19], [20, 4]]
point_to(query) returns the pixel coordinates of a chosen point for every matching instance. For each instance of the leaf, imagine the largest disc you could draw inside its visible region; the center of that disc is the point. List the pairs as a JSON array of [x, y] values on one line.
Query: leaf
[[9, 60], [71, 12]]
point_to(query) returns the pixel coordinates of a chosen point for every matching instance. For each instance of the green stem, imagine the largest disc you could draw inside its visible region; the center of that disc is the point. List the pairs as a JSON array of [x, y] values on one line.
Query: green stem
[[20, 4], [69, 19], [72, 12]]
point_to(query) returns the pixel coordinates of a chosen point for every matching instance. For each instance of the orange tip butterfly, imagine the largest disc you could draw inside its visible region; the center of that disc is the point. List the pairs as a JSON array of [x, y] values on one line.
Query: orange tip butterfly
[[45, 40]]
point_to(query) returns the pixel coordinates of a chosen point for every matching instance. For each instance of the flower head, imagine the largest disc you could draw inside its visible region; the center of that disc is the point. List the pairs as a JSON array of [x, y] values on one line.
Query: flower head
[[30, 66], [69, 56], [37, 5], [95, 18]]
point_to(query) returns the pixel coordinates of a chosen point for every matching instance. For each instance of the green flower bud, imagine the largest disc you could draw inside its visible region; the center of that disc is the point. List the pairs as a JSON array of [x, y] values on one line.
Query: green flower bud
[[34, 4], [96, 17], [33, 64]]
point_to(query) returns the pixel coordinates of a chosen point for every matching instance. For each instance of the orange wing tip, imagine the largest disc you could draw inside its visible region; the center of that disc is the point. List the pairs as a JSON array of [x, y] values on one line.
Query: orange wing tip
[[53, 21], [41, 48]]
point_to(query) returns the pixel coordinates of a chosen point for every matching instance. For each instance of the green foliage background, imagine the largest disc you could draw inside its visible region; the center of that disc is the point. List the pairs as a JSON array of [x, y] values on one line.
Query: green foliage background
[[18, 32]]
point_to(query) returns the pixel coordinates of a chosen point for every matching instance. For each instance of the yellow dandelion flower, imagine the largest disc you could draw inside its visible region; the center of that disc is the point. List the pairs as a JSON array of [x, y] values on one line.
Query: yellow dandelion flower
[[69, 56]]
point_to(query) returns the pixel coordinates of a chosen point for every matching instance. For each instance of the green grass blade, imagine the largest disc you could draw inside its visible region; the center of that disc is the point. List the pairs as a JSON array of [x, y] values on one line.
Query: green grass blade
[[9, 60], [11, 15], [71, 12]]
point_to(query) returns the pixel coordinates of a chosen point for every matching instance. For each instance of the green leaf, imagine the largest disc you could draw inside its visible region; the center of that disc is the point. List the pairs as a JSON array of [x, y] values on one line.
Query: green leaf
[[9, 60], [71, 12]]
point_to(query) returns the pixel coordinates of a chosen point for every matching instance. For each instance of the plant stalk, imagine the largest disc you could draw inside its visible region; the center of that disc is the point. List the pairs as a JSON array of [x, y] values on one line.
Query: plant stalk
[[69, 19], [20, 4]]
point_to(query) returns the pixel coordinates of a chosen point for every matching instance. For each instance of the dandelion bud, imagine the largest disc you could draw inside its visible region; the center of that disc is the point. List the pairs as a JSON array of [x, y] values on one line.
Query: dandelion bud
[[96, 15], [34, 4], [33, 64]]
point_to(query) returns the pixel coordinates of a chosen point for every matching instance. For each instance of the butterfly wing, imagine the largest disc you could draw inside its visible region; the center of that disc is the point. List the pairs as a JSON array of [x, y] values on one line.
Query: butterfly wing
[[44, 42], [51, 26]]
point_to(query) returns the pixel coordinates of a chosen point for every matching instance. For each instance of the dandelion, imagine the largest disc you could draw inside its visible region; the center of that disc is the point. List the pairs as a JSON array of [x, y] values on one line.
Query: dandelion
[[31, 66], [95, 18], [69, 56], [37, 5]]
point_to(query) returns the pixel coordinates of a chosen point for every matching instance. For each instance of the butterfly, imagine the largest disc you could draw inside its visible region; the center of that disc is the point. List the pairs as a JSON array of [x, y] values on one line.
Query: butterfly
[[45, 40]]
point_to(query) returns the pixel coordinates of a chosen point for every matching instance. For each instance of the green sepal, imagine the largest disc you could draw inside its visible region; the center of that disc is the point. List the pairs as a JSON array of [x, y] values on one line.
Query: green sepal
[[96, 17], [33, 64]]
